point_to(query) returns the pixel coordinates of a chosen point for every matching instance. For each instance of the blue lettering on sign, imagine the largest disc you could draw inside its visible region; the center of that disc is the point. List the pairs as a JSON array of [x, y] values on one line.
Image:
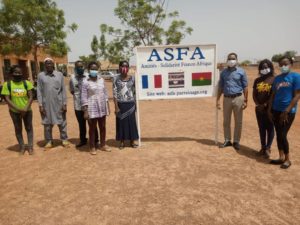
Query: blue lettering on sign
[[181, 53], [154, 53], [197, 52], [169, 54]]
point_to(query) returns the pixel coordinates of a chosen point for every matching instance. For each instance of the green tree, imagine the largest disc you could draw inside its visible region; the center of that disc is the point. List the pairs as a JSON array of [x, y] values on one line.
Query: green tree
[[143, 21], [291, 53], [245, 63], [26, 26]]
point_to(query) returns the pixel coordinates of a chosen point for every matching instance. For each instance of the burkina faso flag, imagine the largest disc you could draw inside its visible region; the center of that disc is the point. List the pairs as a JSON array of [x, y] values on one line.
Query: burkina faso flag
[[201, 79]]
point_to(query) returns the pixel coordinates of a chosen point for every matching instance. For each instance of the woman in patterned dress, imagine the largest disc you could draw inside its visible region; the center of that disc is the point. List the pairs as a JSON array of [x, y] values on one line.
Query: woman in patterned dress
[[125, 107], [94, 101]]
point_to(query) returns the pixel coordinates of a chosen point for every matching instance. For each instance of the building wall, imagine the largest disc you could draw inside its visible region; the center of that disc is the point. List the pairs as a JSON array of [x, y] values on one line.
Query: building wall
[[27, 64]]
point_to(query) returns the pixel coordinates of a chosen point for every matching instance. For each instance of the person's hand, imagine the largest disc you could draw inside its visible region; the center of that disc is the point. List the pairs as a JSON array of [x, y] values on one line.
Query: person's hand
[[283, 119], [117, 110], [260, 108], [86, 115], [218, 105], [22, 112], [42, 111], [64, 108], [244, 105]]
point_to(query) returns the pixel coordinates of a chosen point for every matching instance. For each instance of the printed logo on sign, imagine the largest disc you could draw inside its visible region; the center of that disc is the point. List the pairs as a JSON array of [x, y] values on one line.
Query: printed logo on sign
[[179, 53], [176, 80]]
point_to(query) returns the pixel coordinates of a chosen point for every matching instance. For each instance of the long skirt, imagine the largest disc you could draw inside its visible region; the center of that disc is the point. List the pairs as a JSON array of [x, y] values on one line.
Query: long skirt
[[126, 128]]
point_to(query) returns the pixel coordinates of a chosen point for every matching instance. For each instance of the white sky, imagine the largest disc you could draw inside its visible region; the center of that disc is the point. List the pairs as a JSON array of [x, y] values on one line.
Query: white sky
[[254, 29]]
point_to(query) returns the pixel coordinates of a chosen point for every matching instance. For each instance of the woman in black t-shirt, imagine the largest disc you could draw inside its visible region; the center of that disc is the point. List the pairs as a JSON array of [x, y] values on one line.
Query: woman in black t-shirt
[[261, 95]]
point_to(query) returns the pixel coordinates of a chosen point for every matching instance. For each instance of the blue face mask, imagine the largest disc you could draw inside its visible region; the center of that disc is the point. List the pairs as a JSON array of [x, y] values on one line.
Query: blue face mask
[[93, 73], [80, 71], [285, 69]]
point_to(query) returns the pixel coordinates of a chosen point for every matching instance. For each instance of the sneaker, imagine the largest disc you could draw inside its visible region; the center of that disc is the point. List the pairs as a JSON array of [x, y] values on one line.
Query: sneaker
[[226, 144], [80, 144], [236, 146], [65, 143], [48, 144], [93, 151]]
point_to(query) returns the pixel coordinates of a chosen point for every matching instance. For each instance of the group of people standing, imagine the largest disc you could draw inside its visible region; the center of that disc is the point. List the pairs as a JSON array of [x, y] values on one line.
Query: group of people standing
[[90, 104], [275, 98]]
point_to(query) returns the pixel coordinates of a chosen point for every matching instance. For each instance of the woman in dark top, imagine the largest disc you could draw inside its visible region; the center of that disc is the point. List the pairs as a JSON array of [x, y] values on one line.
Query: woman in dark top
[[262, 89], [124, 99], [285, 95]]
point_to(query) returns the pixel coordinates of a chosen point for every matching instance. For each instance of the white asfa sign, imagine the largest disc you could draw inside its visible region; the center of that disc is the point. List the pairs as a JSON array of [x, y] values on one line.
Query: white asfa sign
[[178, 71]]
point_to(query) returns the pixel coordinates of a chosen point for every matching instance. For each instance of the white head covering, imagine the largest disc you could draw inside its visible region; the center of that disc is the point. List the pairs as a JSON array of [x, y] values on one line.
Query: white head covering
[[48, 59]]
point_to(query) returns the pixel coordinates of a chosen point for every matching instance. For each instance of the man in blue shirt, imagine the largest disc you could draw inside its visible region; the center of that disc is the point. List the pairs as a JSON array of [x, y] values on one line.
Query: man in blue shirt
[[234, 85]]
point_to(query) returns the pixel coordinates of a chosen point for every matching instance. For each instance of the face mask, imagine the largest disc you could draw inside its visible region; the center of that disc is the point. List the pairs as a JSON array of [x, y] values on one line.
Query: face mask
[[124, 70], [285, 69], [17, 78], [265, 71], [80, 71], [93, 73], [231, 63]]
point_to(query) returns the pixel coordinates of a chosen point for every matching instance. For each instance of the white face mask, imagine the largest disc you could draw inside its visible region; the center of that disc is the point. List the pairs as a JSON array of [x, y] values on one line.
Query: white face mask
[[231, 63], [265, 71]]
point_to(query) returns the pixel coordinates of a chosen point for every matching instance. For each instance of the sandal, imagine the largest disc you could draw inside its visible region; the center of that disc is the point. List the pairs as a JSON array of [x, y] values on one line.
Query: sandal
[[276, 161], [134, 145], [122, 145], [286, 165], [105, 149]]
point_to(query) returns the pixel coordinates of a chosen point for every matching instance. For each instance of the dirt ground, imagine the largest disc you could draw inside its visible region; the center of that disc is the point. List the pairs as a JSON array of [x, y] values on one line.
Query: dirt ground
[[178, 176]]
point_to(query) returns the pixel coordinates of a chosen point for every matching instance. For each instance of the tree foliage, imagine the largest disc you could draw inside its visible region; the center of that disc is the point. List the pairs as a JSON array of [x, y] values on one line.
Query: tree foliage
[[291, 54], [144, 22], [245, 63], [27, 25]]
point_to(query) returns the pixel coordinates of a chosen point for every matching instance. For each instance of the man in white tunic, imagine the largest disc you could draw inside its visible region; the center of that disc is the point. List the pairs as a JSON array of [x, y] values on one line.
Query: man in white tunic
[[52, 100]]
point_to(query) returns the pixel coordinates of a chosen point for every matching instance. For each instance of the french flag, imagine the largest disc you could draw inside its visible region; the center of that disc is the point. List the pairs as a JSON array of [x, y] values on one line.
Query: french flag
[[157, 81]]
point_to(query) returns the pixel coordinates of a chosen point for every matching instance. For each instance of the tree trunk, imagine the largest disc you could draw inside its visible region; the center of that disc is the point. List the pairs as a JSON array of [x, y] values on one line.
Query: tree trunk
[[37, 66]]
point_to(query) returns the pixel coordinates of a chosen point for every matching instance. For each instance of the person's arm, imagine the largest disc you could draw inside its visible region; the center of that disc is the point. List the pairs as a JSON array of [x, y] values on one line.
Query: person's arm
[[115, 94], [220, 91], [11, 104], [245, 89], [30, 100], [254, 93], [71, 85], [64, 94], [106, 98], [270, 102], [284, 114], [39, 90], [6, 93], [84, 100]]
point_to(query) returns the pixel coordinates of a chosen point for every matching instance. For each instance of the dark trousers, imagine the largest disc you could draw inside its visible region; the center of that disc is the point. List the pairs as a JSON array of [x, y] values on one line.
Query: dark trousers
[[82, 127], [17, 120], [282, 130], [93, 130], [266, 128]]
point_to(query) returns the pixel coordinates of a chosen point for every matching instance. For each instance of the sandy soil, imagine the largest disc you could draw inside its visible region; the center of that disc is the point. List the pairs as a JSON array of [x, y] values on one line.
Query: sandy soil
[[178, 176]]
